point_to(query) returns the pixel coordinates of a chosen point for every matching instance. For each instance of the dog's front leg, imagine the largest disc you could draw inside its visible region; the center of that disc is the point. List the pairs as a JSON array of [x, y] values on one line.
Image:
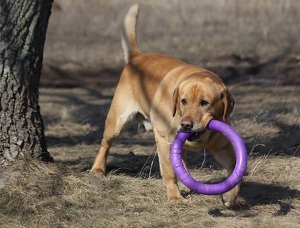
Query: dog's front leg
[[166, 169], [226, 158]]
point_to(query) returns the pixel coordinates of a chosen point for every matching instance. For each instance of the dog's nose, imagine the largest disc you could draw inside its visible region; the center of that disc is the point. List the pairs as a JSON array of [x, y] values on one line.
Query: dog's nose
[[186, 124]]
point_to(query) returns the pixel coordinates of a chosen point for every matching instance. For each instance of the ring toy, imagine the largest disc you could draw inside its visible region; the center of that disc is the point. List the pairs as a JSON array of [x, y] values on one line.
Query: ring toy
[[218, 188]]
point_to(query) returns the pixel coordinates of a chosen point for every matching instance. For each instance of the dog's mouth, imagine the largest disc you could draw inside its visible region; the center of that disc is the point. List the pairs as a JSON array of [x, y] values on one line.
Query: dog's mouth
[[196, 136]]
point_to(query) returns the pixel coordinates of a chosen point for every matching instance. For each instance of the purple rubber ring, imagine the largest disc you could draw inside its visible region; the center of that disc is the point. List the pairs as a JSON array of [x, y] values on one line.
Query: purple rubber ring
[[218, 188]]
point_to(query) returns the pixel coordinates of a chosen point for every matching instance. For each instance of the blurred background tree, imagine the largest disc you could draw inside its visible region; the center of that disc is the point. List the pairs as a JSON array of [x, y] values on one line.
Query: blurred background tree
[[23, 25]]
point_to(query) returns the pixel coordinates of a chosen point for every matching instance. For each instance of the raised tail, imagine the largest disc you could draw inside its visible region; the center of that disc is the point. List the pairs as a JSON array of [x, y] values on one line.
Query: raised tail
[[129, 42]]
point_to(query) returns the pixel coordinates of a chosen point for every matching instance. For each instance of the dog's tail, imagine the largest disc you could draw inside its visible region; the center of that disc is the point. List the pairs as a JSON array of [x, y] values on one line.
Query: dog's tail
[[129, 42]]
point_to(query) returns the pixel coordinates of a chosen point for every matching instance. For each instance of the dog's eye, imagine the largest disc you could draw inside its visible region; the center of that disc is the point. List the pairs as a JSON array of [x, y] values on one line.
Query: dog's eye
[[203, 103], [183, 102]]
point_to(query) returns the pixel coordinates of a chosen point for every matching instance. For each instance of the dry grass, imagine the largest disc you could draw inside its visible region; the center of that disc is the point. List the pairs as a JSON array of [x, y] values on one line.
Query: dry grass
[[55, 196], [255, 48]]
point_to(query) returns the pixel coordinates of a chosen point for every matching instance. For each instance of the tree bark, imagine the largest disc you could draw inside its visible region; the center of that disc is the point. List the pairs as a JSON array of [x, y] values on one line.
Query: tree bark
[[23, 25]]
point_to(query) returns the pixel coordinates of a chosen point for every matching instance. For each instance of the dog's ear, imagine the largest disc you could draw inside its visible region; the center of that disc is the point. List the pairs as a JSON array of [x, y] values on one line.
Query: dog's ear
[[175, 97], [228, 104]]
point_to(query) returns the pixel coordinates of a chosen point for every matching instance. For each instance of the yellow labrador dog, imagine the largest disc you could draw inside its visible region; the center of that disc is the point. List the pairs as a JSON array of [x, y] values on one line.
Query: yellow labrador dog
[[170, 96]]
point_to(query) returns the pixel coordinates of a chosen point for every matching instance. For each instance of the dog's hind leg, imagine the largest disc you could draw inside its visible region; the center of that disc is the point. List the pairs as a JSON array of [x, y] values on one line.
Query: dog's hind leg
[[119, 115]]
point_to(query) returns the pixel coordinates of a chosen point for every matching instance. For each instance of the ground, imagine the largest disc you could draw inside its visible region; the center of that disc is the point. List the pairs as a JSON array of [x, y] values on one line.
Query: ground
[[253, 47]]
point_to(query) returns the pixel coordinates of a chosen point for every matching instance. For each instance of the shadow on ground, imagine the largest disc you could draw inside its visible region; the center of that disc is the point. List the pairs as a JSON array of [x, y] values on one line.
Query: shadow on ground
[[259, 194]]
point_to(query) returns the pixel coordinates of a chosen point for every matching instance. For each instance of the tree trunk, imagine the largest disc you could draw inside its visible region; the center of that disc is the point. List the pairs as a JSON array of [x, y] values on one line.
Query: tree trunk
[[23, 25]]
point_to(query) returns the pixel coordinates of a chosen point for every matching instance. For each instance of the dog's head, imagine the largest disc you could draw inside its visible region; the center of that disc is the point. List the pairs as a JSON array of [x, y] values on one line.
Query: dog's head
[[199, 99]]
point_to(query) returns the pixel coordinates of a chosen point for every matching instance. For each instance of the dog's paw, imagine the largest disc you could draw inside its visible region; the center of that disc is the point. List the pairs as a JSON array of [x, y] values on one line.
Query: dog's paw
[[229, 199], [97, 171], [176, 199]]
